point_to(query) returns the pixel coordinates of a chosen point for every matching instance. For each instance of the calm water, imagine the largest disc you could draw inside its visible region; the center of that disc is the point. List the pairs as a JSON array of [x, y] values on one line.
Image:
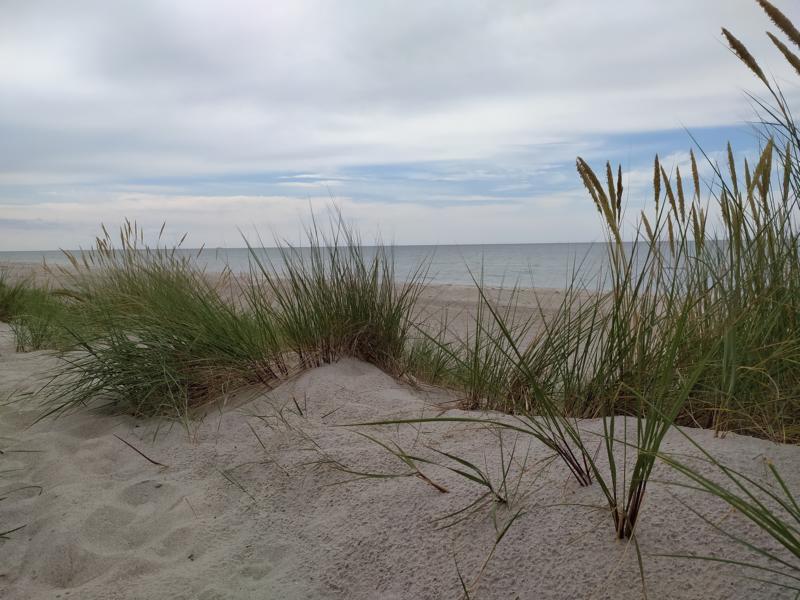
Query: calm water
[[526, 265]]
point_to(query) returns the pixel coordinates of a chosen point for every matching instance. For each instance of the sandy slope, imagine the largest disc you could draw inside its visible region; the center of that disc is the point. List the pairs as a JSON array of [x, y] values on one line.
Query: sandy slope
[[228, 518]]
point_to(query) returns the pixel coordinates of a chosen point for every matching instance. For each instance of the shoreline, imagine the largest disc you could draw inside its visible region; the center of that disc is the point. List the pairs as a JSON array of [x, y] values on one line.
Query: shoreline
[[435, 298], [38, 271]]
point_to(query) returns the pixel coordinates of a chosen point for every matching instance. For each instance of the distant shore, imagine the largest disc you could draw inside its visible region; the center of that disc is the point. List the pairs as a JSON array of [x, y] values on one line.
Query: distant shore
[[497, 265], [456, 301]]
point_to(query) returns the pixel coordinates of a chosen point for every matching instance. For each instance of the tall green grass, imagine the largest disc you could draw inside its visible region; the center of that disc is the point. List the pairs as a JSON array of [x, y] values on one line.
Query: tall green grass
[[728, 298], [12, 296], [757, 289], [34, 313], [158, 335], [331, 299]]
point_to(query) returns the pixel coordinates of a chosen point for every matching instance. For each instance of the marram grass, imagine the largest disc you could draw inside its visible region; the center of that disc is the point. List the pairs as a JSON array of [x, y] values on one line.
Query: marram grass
[[158, 337], [331, 299], [35, 314]]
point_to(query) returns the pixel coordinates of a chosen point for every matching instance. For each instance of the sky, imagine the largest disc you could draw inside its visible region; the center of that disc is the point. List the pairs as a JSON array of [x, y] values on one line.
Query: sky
[[429, 122]]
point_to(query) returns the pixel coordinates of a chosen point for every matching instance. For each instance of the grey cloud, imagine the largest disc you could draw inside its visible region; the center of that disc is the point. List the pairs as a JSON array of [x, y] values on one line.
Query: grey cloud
[[106, 92]]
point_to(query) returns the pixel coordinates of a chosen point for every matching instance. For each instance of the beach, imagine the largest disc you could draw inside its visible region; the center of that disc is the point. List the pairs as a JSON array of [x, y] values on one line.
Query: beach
[[268, 496], [403, 301]]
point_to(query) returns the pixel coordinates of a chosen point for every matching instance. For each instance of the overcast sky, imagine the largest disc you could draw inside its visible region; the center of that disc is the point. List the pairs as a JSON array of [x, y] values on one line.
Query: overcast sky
[[431, 122]]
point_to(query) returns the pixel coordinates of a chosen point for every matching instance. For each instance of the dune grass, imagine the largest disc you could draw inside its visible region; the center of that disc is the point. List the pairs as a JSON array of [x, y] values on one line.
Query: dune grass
[[34, 313], [757, 302], [158, 336], [727, 298], [12, 296], [331, 299]]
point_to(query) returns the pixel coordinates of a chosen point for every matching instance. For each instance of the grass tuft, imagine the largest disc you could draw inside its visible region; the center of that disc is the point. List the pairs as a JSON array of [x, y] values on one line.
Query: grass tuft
[[335, 298], [159, 338]]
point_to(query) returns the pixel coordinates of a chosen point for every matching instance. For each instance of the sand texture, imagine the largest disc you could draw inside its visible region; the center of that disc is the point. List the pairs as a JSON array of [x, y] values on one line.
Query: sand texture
[[229, 518]]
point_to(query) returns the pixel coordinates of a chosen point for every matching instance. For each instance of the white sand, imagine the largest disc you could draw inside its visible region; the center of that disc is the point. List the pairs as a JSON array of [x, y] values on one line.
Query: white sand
[[109, 524]]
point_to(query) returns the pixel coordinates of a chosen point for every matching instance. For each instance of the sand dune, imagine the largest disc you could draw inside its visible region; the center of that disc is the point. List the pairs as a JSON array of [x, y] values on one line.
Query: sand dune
[[229, 518]]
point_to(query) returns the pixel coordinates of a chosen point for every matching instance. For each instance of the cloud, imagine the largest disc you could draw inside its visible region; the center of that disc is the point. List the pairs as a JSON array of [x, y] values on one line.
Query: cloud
[[429, 100], [222, 220]]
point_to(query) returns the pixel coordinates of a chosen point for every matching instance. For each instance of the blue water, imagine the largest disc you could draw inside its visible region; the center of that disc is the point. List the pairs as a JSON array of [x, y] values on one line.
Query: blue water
[[524, 265]]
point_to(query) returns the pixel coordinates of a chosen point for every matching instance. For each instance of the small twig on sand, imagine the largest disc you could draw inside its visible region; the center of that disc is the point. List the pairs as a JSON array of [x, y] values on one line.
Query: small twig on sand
[[191, 507], [425, 478], [139, 452]]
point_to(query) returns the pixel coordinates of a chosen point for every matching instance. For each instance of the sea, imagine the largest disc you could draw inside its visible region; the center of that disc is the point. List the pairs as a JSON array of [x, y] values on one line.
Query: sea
[[496, 265]]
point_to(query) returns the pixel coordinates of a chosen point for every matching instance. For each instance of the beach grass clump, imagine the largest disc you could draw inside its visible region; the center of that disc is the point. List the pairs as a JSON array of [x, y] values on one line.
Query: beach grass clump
[[695, 325], [729, 298], [753, 290], [12, 296], [690, 324], [40, 323], [335, 298], [699, 325], [150, 333], [747, 283], [432, 356], [736, 261], [158, 338], [35, 314], [476, 363]]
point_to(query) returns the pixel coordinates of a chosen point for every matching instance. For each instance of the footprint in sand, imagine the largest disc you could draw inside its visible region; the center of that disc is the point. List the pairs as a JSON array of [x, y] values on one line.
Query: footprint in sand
[[66, 564], [256, 571], [180, 542], [146, 491], [107, 528]]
